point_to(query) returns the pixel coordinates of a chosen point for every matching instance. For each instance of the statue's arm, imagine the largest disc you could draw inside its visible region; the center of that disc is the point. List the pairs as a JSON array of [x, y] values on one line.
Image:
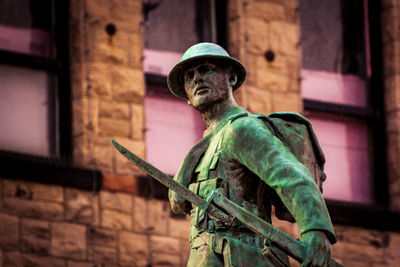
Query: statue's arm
[[252, 144]]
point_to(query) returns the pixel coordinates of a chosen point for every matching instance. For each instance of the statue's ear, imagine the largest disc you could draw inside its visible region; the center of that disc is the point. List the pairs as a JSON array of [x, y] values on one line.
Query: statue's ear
[[232, 78]]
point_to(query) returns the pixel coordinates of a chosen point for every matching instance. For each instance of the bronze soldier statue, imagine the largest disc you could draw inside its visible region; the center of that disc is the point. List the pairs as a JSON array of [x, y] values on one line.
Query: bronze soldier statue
[[240, 156]]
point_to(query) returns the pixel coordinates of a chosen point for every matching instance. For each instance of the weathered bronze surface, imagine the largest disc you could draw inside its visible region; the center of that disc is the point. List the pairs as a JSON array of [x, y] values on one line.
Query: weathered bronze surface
[[252, 160]]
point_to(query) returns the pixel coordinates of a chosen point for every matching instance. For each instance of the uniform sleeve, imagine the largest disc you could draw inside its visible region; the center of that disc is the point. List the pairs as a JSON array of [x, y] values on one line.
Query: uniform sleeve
[[249, 142]]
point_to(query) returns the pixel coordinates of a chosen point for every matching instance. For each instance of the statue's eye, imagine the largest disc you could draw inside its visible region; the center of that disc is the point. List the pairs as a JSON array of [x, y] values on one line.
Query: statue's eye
[[189, 75], [204, 69]]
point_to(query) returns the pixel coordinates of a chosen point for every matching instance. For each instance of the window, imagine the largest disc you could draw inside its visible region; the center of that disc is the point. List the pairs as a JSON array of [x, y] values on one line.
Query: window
[[340, 95], [172, 26], [33, 77]]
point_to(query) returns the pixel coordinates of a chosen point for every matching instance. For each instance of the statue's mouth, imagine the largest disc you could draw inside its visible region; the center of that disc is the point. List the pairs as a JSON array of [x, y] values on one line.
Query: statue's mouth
[[201, 90]]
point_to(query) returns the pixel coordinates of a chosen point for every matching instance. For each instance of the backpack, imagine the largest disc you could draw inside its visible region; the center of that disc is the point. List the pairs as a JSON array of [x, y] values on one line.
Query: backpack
[[297, 134]]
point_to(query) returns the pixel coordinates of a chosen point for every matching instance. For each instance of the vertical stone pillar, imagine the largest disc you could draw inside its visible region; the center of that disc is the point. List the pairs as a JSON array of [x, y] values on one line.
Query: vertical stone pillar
[[390, 19], [264, 35], [107, 82]]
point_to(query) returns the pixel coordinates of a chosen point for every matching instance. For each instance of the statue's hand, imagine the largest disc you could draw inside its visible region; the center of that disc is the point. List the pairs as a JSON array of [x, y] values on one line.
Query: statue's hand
[[318, 249]]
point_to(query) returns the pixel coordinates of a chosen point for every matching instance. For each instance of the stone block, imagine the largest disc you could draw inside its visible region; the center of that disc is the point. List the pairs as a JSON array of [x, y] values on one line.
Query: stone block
[[124, 166], [392, 254], [99, 78], [266, 10], [184, 251], [33, 191], [284, 37], [140, 215], [14, 258], [258, 35], [33, 245], [81, 206], [102, 153], [356, 235], [85, 112], [104, 254], [133, 249], [269, 78], [98, 10], [135, 51], [164, 245], [1, 258], [120, 183], [391, 51], [80, 264], [127, 84], [161, 259], [137, 121], [392, 94], [116, 220], [179, 228], [35, 228], [113, 109], [114, 127], [34, 209], [127, 14], [390, 27], [116, 201], [259, 100], [158, 212], [68, 240], [9, 232], [102, 237], [106, 53], [368, 253], [286, 102]]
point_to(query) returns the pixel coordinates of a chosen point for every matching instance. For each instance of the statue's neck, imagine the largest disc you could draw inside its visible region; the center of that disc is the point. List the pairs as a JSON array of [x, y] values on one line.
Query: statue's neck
[[214, 113]]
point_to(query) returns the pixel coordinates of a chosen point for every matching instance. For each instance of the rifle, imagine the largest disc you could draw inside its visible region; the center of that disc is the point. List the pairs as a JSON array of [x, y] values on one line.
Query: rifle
[[223, 209]]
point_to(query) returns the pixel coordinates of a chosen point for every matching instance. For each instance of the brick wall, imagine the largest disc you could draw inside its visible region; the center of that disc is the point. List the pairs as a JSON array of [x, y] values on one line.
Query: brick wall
[[391, 61], [43, 225]]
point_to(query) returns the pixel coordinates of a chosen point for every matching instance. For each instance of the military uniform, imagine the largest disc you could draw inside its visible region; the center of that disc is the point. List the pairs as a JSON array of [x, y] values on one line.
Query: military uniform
[[240, 155]]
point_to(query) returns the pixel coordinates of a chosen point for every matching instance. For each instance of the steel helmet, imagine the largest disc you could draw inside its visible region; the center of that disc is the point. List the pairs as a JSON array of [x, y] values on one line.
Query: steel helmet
[[197, 52]]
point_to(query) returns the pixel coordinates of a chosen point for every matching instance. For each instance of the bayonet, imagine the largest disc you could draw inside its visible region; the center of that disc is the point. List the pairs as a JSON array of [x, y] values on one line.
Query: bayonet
[[223, 209]]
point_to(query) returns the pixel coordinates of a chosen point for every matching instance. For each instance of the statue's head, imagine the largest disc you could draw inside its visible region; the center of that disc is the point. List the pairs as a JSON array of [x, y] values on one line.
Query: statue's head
[[211, 55]]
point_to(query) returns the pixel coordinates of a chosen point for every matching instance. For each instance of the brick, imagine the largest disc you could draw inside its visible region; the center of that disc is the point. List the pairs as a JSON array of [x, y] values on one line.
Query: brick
[[114, 127], [361, 236], [113, 109], [107, 54], [85, 116], [102, 153], [127, 15], [79, 264], [158, 215], [355, 252], [9, 231], [81, 206], [165, 245], [258, 35], [103, 237], [68, 240], [133, 249], [35, 237], [116, 201], [116, 220], [284, 37], [137, 122], [392, 95], [394, 247], [21, 259], [161, 259], [135, 51], [184, 246], [266, 10], [124, 166], [127, 84], [33, 191], [34, 209], [260, 100], [98, 10], [179, 228], [33, 245], [99, 78], [140, 215], [390, 27], [269, 78], [390, 51], [120, 183], [104, 254], [286, 102]]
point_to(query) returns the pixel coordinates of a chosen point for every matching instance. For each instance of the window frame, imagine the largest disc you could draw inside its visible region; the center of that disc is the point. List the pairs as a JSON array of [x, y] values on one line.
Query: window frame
[[377, 214], [57, 168]]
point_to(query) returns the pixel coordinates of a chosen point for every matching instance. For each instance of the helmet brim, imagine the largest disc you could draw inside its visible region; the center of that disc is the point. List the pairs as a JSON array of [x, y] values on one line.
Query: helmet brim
[[175, 76]]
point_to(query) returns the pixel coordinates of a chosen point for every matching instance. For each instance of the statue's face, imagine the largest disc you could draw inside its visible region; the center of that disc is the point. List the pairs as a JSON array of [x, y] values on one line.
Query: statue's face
[[206, 84]]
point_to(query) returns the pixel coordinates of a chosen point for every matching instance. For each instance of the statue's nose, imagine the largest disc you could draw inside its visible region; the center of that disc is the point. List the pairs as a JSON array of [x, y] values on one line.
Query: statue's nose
[[198, 77]]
